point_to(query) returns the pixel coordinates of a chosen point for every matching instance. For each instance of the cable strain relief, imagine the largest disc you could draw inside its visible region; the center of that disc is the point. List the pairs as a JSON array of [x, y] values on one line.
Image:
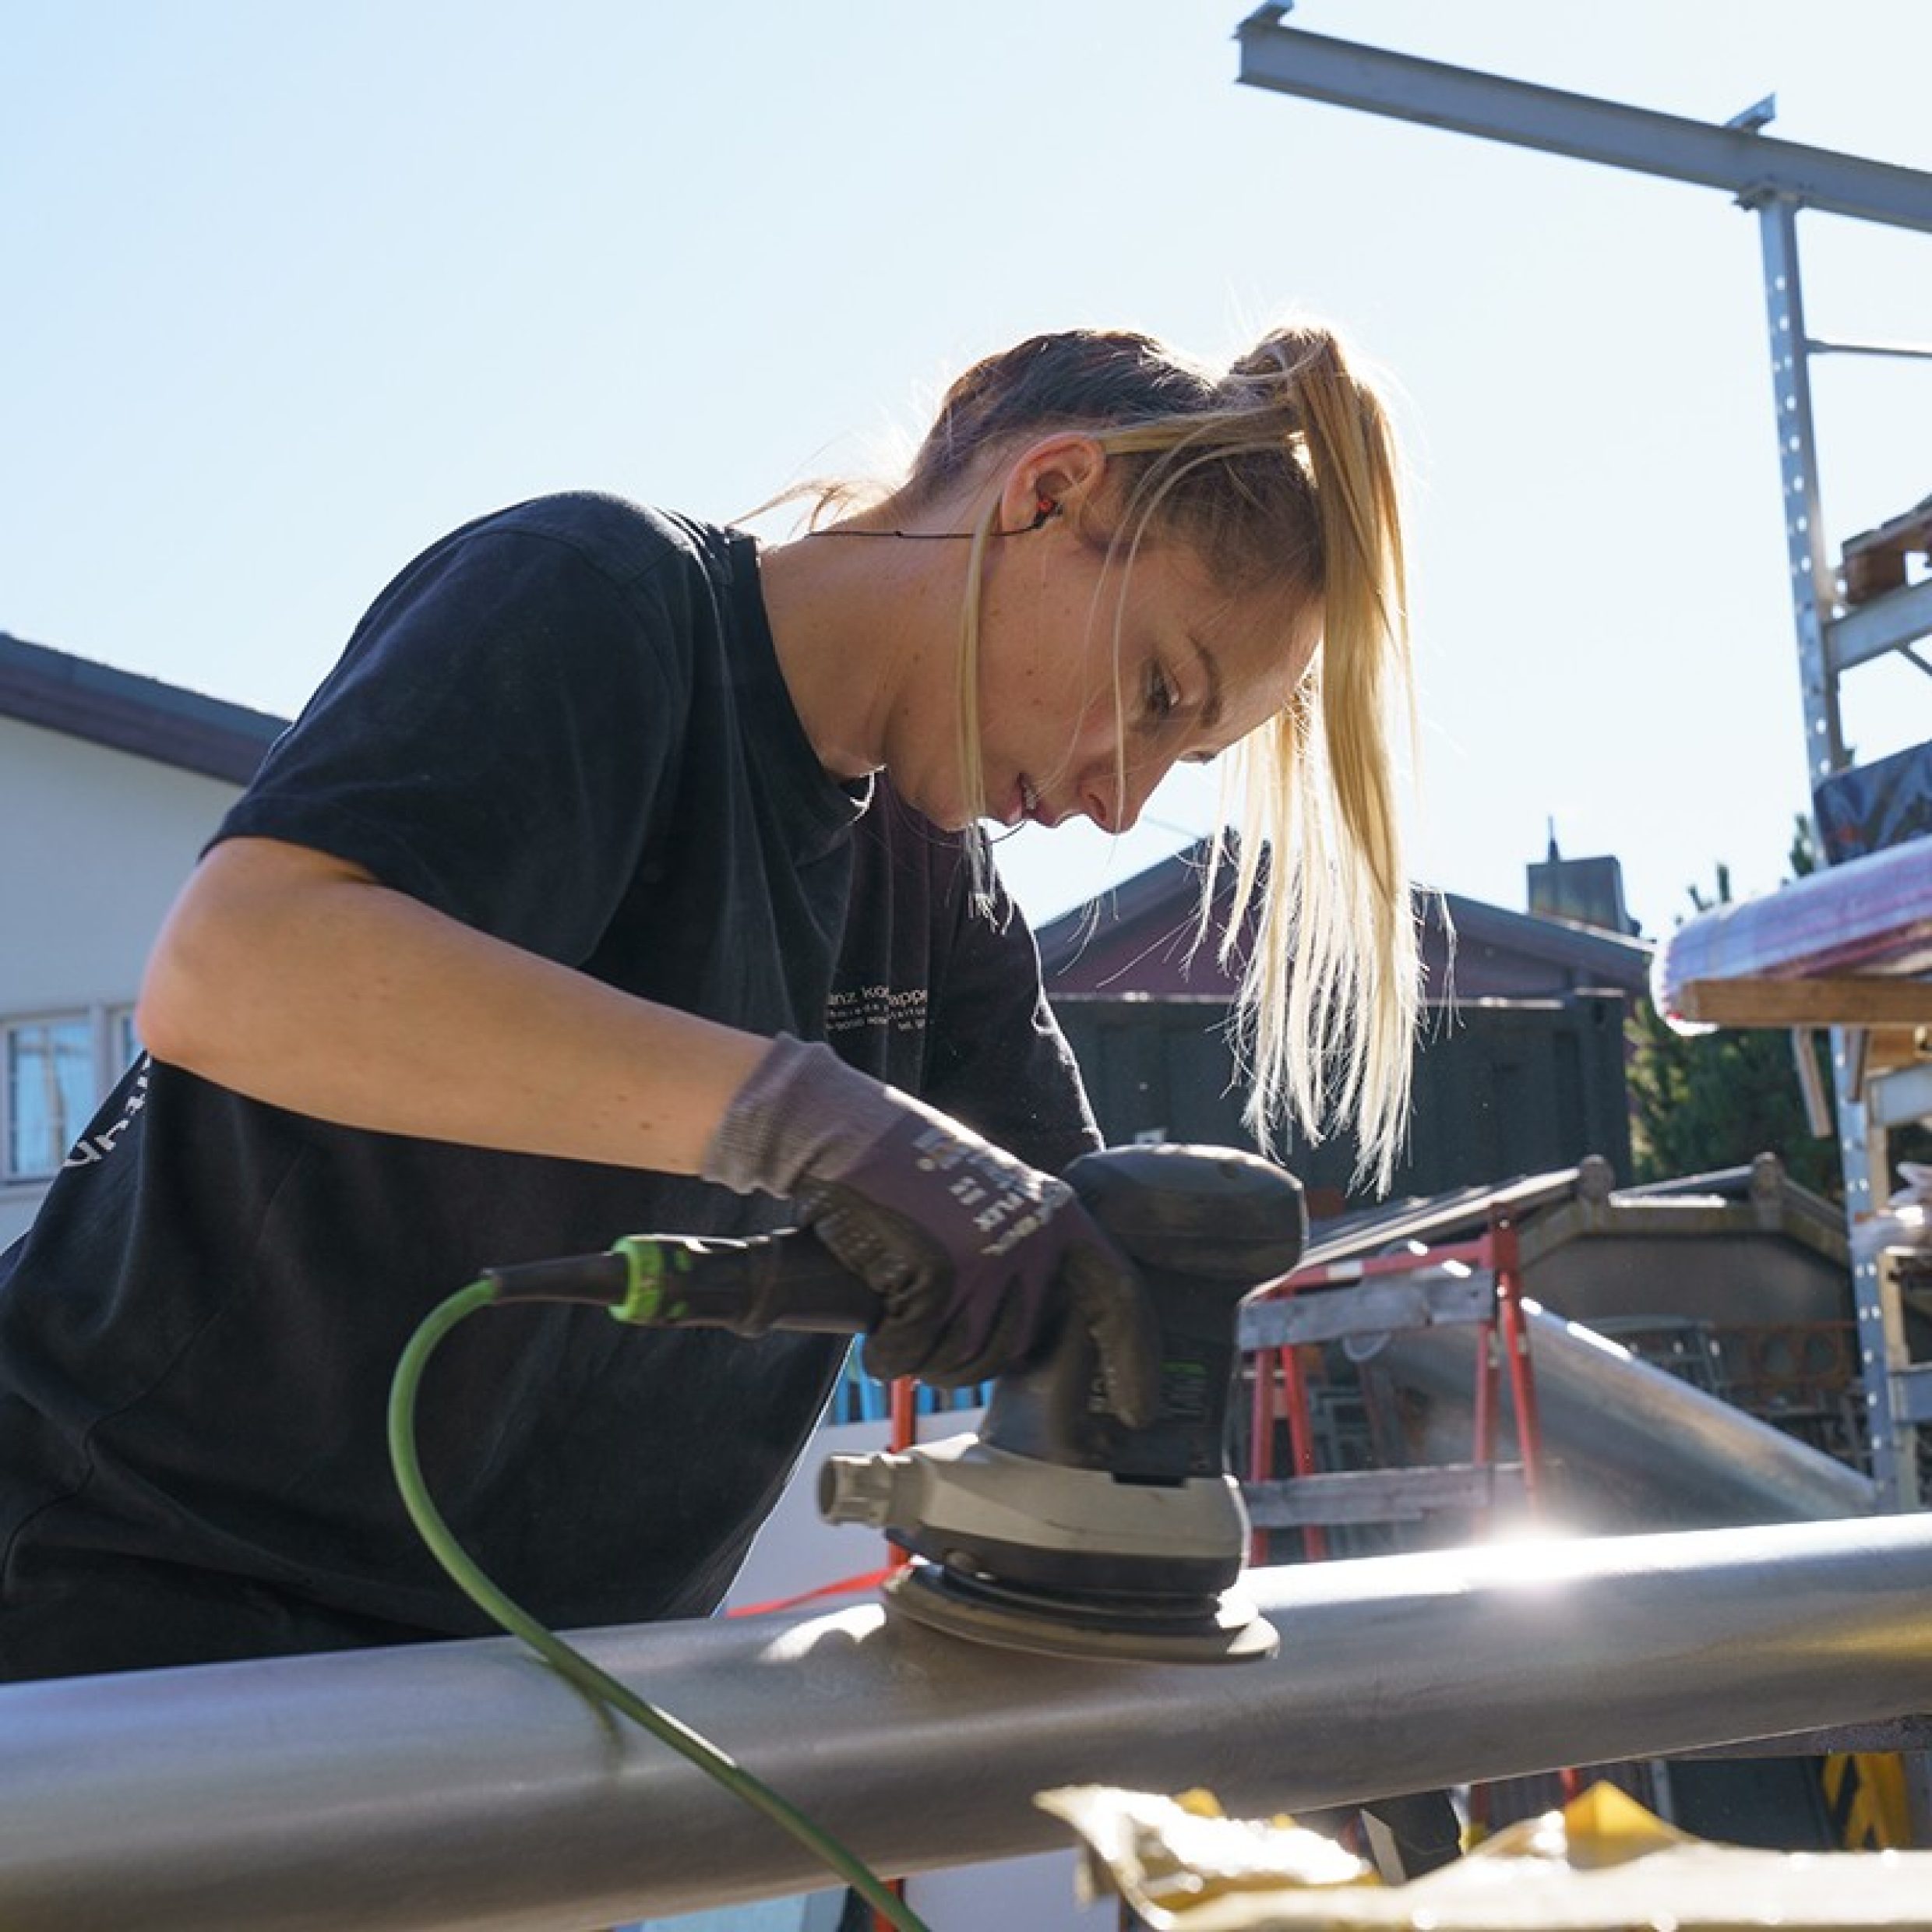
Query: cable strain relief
[[604, 1278]]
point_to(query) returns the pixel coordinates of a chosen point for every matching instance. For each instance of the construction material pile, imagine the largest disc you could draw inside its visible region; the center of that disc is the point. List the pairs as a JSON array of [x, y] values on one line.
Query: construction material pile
[[1601, 1864]]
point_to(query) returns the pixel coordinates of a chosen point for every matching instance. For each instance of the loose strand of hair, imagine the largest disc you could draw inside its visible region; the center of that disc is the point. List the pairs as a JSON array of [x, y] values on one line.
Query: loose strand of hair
[[972, 772]]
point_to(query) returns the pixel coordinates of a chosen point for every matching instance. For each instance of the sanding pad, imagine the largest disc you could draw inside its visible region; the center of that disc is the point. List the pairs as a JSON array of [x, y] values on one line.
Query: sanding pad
[[1226, 1629]]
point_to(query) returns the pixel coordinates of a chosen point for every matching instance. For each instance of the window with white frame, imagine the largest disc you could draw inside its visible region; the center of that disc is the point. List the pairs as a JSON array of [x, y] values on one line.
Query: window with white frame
[[57, 1068]]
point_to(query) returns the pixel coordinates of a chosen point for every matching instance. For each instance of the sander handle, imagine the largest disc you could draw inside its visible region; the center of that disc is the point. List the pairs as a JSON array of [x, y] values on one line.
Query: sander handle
[[790, 1280]]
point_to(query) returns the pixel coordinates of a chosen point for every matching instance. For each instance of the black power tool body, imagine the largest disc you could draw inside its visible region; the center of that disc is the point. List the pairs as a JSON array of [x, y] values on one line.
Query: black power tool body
[[1056, 1528]]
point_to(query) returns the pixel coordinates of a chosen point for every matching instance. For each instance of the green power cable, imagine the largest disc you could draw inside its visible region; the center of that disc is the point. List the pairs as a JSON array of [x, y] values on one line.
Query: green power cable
[[570, 1664]]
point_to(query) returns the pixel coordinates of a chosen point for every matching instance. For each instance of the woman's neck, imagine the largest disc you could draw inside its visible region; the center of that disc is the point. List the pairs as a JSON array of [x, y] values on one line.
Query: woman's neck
[[860, 627]]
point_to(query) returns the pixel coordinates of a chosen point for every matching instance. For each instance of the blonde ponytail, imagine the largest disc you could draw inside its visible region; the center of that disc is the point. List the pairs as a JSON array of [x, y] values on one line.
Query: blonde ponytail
[[1331, 985]]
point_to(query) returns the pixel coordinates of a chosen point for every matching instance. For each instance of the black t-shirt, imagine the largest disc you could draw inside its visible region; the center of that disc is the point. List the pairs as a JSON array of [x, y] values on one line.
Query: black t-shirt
[[565, 725]]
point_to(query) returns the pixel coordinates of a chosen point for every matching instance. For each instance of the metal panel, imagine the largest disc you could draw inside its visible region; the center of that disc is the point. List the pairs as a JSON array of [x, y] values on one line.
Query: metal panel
[[1645, 1449], [1912, 1393], [1898, 1099]]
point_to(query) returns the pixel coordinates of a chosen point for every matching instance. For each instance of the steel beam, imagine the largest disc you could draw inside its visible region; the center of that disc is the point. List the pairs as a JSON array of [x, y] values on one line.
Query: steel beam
[[1813, 583], [463, 1786], [1752, 166], [1869, 630]]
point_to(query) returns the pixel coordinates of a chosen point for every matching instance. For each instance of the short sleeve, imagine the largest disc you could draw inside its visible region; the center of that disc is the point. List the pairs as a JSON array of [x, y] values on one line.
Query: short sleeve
[[499, 733], [997, 1058]]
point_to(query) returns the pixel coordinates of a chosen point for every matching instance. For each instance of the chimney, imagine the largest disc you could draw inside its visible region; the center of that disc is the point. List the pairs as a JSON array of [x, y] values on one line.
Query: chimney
[[1584, 891]]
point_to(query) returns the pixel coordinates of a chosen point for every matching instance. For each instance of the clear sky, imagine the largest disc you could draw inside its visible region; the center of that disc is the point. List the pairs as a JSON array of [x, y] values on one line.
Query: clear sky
[[290, 291]]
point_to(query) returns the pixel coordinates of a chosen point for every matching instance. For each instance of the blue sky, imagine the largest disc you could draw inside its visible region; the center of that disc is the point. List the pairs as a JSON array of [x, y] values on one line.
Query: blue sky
[[292, 291]]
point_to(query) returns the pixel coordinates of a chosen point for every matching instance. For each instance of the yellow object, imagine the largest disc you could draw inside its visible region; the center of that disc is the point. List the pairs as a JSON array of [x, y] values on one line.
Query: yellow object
[[1865, 1793], [1603, 1864], [1601, 1826], [1168, 1857]]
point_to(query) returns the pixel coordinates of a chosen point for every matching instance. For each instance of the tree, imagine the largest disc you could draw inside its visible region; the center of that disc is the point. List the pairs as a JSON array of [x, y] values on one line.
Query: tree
[[1716, 1100]]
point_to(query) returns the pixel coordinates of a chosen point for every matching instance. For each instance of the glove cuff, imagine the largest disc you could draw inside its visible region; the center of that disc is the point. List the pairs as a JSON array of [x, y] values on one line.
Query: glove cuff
[[803, 1111]]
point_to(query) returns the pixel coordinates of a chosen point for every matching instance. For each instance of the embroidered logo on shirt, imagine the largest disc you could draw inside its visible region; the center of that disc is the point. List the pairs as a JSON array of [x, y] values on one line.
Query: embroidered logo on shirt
[[860, 1009], [97, 1147]]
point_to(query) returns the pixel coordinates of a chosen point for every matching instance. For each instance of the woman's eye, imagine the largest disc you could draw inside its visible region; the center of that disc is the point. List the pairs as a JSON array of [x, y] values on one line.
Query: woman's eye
[[1162, 699]]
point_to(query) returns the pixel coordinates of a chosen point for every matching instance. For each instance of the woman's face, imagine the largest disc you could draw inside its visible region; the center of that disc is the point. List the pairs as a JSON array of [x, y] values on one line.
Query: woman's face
[[1097, 674]]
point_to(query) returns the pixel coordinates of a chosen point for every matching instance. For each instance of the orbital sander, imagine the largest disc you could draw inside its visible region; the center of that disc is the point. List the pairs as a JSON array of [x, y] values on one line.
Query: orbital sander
[[1056, 1528]]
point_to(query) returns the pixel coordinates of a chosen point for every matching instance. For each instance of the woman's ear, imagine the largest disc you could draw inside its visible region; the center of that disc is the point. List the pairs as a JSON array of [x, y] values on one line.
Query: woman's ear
[[1058, 476]]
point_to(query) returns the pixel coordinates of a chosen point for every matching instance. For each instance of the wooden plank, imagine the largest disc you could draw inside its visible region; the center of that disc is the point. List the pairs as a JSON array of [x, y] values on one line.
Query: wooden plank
[[1339, 1497], [1395, 1307], [1898, 1046], [1845, 1000], [1873, 562]]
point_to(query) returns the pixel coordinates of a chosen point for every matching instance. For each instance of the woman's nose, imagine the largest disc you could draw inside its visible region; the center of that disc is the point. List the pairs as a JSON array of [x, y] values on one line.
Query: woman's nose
[[1114, 799]]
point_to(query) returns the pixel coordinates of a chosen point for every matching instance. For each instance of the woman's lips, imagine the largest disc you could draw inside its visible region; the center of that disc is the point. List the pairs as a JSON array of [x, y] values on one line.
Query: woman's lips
[[1027, 805]]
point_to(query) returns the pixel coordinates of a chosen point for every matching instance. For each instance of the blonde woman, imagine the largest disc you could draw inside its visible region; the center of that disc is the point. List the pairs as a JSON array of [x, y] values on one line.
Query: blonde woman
[[625, 875]]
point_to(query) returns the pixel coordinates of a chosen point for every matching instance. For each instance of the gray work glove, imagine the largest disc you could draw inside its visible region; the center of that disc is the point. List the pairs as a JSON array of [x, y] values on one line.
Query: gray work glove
[[975, 1255]]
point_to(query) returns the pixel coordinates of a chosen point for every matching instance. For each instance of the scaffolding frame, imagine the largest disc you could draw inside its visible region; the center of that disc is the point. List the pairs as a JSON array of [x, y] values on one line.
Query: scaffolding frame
[[1477, 1284], [1773, 179]]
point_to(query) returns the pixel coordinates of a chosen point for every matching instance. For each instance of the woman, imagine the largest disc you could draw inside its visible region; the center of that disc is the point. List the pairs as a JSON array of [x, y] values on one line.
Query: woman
[[623, 876]]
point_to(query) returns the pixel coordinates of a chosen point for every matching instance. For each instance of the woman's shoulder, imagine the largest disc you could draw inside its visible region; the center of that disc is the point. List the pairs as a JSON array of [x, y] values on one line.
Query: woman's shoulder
[[623, 538]]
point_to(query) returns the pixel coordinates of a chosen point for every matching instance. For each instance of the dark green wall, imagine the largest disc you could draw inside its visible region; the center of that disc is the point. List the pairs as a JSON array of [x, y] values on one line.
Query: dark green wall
[[1503, 1087]]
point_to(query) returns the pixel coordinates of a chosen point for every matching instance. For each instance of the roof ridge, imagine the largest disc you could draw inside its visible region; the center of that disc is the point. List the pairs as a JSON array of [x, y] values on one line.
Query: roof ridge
[[128, 710]]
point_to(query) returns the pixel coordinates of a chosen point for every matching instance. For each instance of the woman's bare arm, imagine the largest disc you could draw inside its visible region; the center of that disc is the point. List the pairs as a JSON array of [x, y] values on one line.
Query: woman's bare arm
[[299, 979]]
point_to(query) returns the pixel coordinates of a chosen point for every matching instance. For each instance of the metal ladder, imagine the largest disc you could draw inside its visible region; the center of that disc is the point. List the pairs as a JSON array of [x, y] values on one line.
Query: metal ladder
[[1475, 1282]]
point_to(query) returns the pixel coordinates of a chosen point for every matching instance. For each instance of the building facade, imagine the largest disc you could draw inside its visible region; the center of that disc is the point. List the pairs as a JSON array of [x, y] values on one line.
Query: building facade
[[110, 785], [1520, 1068]]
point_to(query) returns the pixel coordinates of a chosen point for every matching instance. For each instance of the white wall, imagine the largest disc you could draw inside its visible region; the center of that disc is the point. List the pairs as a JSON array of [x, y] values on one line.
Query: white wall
[[94, 844]]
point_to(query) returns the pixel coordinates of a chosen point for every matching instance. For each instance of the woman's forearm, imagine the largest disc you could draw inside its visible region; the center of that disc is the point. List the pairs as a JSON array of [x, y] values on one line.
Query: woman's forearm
[[296, 978]]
